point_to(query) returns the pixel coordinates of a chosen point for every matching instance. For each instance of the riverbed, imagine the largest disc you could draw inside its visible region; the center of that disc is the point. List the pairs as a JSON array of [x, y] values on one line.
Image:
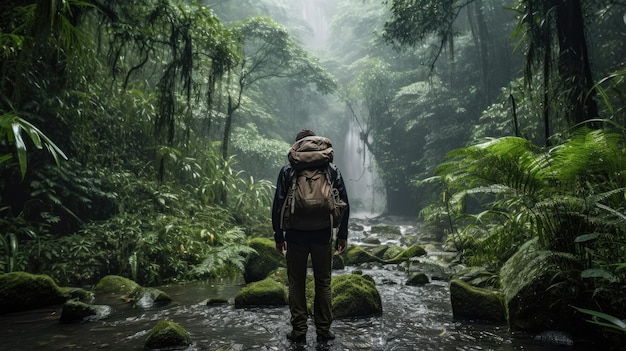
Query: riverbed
[[413, 318]]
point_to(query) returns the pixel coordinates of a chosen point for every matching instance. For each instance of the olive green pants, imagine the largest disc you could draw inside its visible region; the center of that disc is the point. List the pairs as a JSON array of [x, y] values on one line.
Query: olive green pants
[[297, 260]]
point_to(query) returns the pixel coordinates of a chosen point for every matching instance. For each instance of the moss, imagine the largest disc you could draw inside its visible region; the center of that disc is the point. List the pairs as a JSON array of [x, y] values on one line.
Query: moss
[[78, 293], [476, 303], [266, 292], [116, 285], [354, 296], [392, 252], [76, 311], [20, 291], [537, 288], [411, 251], [356, 255], [265, 260], [167, 334], [280, 276]]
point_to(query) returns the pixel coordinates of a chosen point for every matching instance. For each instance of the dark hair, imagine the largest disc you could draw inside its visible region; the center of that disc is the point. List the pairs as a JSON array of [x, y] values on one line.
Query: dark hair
[[304, 133]]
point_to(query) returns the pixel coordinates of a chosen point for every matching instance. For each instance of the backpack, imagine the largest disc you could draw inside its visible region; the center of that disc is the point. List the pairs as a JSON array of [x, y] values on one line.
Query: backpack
[[312, 202]]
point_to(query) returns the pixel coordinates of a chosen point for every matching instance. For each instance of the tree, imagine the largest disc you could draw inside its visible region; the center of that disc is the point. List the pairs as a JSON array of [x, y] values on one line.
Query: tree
[[556, 42], [270, 53]]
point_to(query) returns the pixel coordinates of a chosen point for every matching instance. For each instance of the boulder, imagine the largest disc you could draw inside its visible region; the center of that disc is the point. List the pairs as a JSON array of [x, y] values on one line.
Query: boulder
[[418, 278], [266, 292], [266, 259], [76, 311], [354, 295], [386, 230], [479, 276], [130, 291], [21, 291], [530, 282], [471, 302], [338, 263], [149, 297], [356, 255], [167, 335], [114, 285], [408, 253]]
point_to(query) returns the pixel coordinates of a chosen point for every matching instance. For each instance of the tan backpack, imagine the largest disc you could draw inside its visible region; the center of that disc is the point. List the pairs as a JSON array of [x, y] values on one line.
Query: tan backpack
[[312, 201]]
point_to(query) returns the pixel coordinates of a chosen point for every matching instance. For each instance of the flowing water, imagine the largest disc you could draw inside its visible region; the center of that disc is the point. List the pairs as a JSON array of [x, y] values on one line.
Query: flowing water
[[413, 318]]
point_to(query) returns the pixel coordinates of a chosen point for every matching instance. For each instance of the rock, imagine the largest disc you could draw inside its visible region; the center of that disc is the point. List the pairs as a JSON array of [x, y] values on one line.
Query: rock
[[371, 241], [266, 292], [410, 252], [384, 229], [149, 297], [470, 302], [529, 282], [217, 301], [280, 276], [129, 291], [356, 255], [379, 251], [167, 335], [391, 252], [354, 296], [418, 278], [79, 294], [479, 277], [266, 259], [116, 286], [76, 311], [338, 263], [21, 291]]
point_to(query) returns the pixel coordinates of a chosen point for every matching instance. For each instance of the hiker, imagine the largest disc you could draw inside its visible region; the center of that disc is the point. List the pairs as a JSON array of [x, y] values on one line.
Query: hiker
[[309, 234]]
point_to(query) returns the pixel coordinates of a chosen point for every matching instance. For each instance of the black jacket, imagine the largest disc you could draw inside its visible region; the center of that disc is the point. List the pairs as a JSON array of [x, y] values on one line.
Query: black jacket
[[282, 186]]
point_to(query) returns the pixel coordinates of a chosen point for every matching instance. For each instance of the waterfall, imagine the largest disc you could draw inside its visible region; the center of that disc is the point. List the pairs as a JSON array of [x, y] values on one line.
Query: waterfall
[[365, 190], [357, 164]]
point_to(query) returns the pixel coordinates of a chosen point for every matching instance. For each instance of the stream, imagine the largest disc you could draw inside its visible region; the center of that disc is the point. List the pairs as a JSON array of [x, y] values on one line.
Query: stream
[[413, 318]]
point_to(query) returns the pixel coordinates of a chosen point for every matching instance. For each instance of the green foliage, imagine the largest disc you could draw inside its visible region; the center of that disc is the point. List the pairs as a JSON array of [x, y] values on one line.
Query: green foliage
[[11, 128], [506, 191]]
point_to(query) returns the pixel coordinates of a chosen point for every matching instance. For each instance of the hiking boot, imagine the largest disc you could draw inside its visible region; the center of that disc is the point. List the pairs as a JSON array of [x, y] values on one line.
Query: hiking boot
[[296, 337], [325, 336]]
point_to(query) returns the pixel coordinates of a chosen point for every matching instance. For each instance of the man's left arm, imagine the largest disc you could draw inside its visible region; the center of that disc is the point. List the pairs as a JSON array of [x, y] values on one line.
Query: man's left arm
[[342, 233]]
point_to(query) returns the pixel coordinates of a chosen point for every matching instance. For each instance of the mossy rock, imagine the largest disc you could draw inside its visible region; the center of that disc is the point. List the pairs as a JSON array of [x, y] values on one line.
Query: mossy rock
[[266, 259], [266, 292], [355, 296], [149, 297], [419, 278], [384, 229], [21, 291], [391, 252], [79, 294], [409, 252], [279, 275], [167, 335], [534, 282], [116, 285], [479, 276], [356, 255], [379, 251], [77, 311], [470, 302], [338, 263]]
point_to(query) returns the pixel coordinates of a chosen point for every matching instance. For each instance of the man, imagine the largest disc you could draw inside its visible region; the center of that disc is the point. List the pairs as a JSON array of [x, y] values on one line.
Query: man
[[317, 243]]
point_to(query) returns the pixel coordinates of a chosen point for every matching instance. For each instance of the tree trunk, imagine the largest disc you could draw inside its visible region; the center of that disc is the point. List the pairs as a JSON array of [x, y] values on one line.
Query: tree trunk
[[573, 61]]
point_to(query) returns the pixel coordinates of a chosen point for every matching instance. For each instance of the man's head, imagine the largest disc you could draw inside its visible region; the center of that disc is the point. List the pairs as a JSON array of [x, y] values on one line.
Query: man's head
[[304, 133]]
